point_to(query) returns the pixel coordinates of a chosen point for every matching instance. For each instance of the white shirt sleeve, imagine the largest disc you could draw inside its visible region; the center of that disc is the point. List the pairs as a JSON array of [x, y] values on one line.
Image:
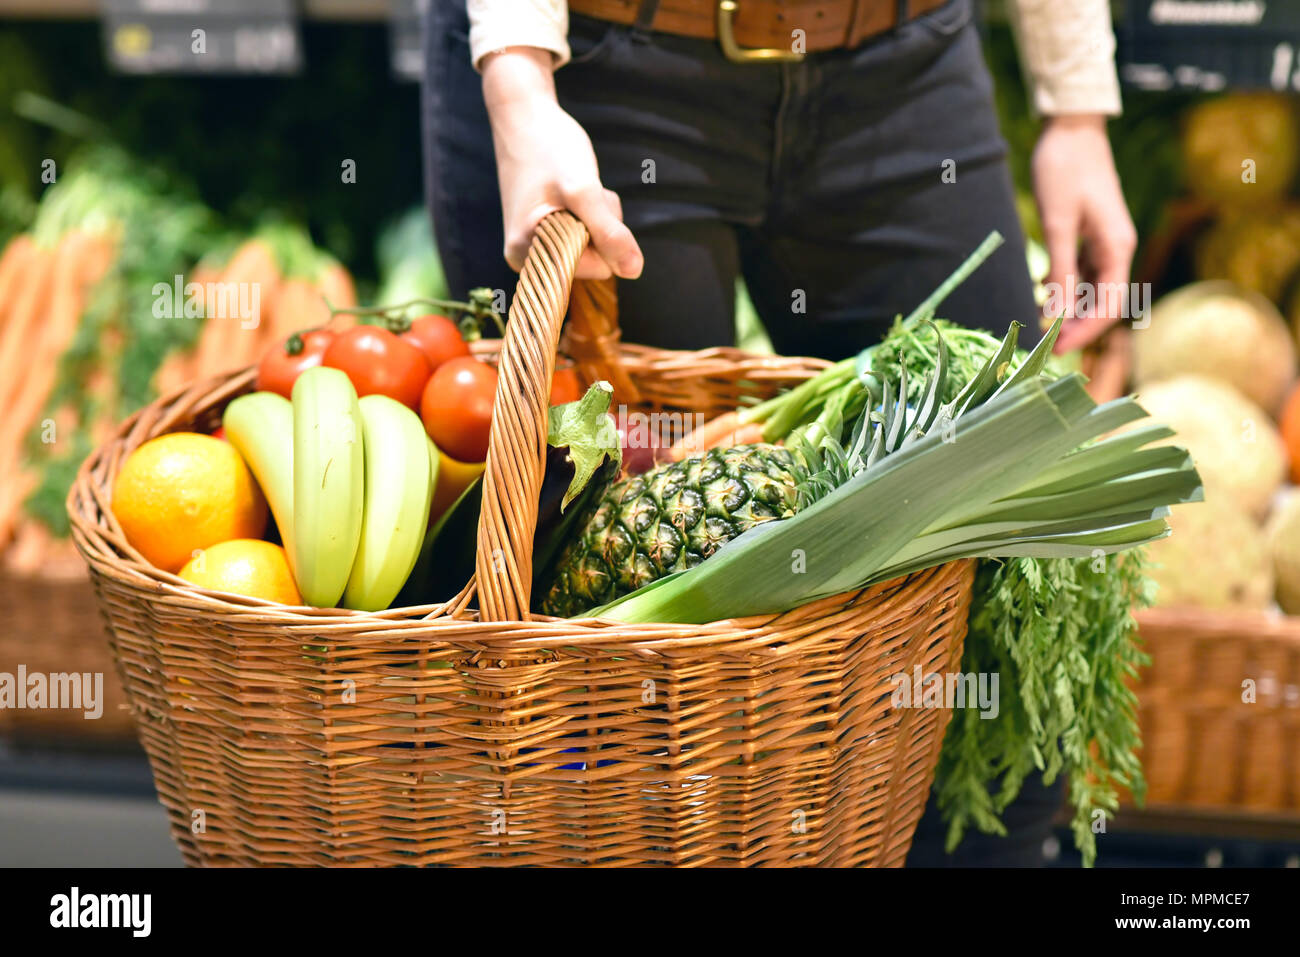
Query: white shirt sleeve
[[1067, 48], [497, 24]]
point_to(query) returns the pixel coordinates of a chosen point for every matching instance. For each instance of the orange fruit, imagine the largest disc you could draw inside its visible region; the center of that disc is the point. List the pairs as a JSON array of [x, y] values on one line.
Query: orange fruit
[[454, 477], [1290, 426], [245, 566], [182, 492]]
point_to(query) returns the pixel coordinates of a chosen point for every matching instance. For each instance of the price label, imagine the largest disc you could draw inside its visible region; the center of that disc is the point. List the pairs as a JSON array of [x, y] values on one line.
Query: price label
[[202, 36], [1211, 45], [406, 38]]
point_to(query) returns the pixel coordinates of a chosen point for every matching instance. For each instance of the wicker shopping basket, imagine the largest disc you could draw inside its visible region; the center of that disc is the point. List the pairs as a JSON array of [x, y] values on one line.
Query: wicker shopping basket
[[52, 626], [1220, 709], [450, 735]]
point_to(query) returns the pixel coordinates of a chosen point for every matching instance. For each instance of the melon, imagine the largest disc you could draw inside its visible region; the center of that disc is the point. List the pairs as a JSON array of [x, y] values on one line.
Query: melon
[[1215, 557], [1284, 549], [1221, 135], [1236, 447], [1219, 330], [1258, 250]]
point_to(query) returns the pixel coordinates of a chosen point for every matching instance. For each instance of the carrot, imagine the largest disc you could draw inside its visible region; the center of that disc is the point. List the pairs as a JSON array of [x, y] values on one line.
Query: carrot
[[13, 267], [224, 344], [30, 298], [298, 305], [27, 553], [13, 493], [178, 369], [16, 366], [80, 262], [63, 561], [335, 283], [35, 550], [725, 431], [102, 384]]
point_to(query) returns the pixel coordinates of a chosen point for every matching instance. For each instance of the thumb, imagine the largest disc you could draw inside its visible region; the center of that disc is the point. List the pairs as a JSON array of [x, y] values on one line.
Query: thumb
[[611, 238]]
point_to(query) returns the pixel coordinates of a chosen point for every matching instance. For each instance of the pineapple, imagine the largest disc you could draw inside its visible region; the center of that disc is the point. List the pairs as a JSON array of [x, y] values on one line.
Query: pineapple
[[670, 519]]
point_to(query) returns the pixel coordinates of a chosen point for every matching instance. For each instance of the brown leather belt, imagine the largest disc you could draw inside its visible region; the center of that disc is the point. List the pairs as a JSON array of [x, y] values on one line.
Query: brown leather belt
[[765, 29]]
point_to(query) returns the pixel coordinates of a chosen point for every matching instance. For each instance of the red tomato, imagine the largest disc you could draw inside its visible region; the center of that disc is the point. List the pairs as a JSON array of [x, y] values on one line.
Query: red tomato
[[284, 361], [380, 363], [457, 407], [438, 338], [565, 386]]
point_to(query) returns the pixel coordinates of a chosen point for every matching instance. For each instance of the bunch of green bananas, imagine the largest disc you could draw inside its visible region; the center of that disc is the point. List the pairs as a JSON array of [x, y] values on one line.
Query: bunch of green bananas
[[349, 482]]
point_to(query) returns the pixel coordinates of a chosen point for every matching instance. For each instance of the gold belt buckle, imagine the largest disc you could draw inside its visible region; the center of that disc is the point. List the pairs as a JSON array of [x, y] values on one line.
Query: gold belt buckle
[[738, 54]]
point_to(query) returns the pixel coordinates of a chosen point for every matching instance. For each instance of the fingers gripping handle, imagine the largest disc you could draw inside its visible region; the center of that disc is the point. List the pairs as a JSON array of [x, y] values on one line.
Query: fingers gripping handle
[[516, 458]]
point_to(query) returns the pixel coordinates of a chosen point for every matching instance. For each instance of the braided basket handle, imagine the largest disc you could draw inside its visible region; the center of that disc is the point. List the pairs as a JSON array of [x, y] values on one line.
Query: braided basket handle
[[516, 458]]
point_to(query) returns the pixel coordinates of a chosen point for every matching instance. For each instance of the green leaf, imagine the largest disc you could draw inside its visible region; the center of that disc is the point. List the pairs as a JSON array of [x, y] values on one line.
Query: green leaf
[[586, 429], [1033, 364], [986, 381]]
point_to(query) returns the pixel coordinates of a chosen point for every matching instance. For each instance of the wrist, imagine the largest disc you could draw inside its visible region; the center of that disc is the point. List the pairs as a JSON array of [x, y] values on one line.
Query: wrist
[[1093, 122], [517, 77]]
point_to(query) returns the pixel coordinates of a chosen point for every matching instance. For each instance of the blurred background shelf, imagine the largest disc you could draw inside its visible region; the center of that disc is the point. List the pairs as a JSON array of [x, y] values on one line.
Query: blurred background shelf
[[62, 807]]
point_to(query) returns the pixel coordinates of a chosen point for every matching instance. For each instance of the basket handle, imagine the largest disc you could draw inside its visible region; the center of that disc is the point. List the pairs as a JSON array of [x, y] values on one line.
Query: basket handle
[[592, 337], [516, 459]]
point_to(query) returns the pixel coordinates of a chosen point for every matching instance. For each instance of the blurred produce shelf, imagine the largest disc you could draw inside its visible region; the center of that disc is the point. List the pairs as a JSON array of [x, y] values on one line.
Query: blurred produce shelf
[[1186, 838], [1276, 829]]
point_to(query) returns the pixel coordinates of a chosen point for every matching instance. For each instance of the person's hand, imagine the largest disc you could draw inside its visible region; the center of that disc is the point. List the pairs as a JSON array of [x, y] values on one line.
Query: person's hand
[[1086, 225], [545, 162]]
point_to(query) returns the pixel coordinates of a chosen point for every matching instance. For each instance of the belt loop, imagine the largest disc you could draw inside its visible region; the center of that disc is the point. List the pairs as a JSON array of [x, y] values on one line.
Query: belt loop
[[858, 10], [645, 16], [902, 13]]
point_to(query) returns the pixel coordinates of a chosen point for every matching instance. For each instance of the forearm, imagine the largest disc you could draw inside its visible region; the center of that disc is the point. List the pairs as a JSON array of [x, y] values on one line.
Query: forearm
[[1068, 51], [514, 77]]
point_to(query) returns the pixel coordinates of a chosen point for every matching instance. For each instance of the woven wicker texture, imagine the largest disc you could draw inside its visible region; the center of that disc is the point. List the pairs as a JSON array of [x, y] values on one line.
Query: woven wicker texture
[[54, 626], [427, 736], [1204, 744]]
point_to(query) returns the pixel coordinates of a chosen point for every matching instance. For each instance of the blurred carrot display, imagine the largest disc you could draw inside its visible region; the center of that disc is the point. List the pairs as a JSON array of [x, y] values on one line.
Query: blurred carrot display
[[78, 323], [124, 287]]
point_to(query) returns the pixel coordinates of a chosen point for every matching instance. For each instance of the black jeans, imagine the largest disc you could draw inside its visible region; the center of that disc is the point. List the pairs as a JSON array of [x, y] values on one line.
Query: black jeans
[[843, 188]]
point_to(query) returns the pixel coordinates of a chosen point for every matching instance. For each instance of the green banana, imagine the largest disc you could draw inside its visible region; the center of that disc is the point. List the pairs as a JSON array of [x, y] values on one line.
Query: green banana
[[260, 427], [328, 483], [398, 493]]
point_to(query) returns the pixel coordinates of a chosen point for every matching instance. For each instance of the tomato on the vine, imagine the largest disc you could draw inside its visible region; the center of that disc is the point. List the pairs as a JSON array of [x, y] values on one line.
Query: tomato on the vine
[[457, 407], [380, 362], [284, 361], [438, 338]]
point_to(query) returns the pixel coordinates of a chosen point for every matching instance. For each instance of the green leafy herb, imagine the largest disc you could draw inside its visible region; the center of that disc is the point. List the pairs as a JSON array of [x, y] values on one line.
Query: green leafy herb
[[1059, 632], [1061, 636]]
